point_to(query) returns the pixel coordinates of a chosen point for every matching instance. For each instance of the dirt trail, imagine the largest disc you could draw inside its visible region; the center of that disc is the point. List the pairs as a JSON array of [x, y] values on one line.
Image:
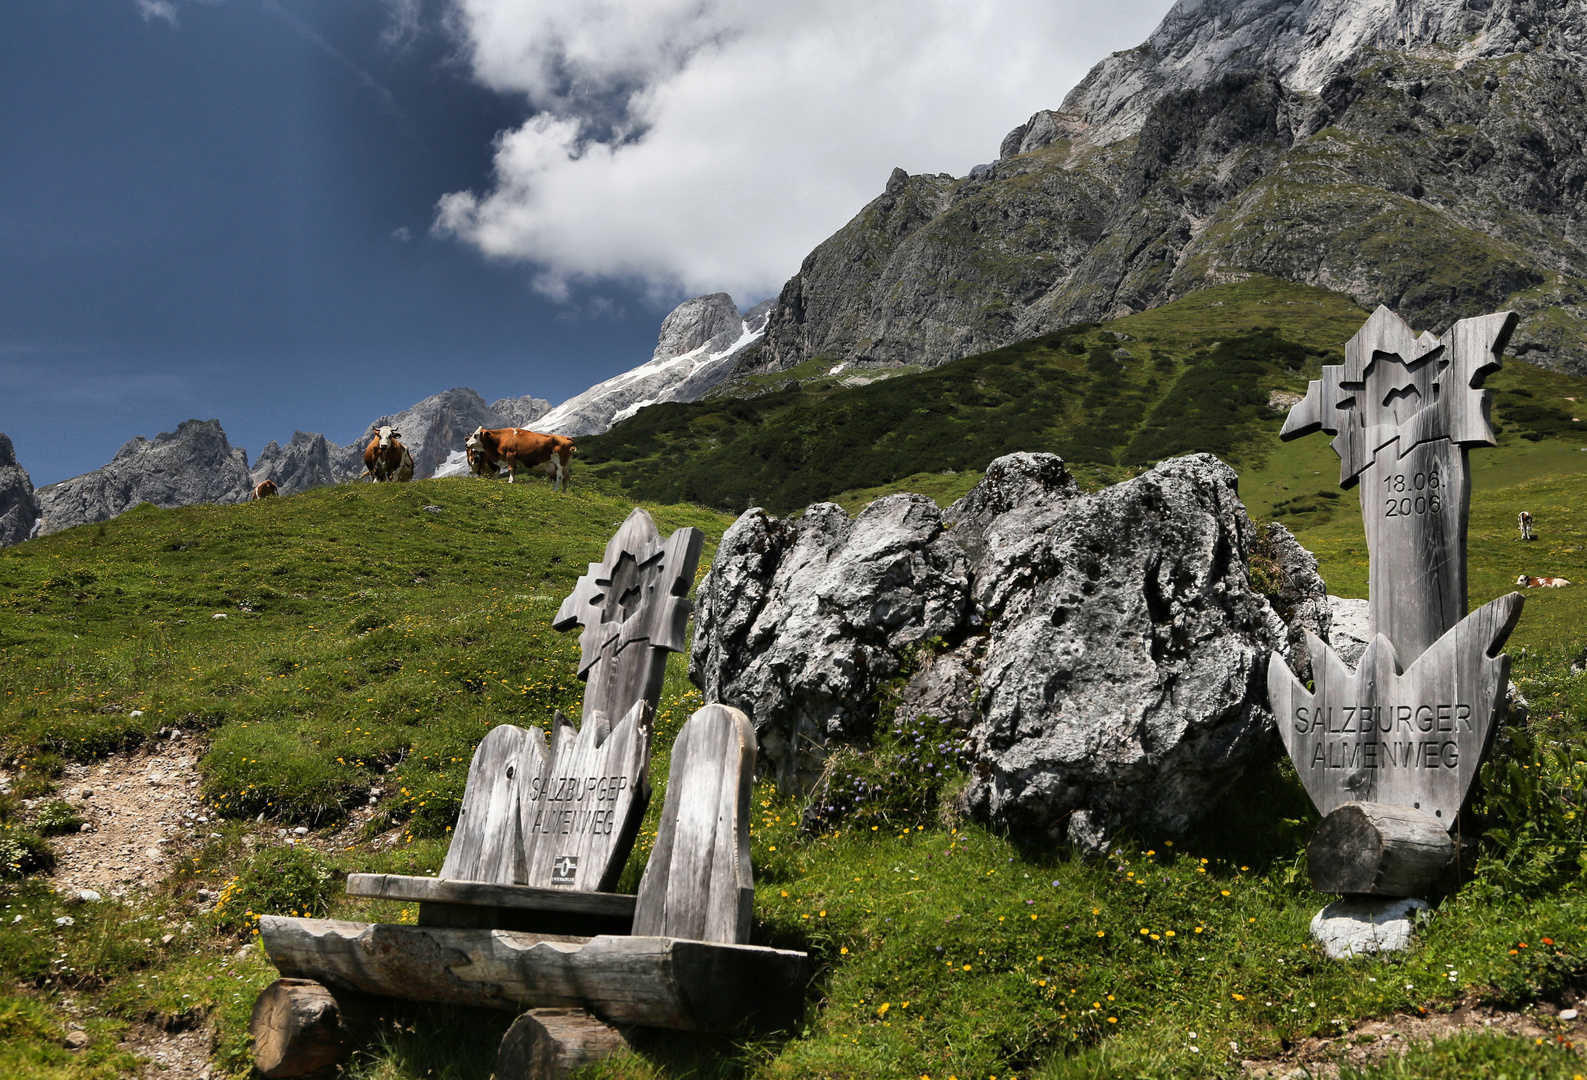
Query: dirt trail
[[1320, 1058], [141, 809]]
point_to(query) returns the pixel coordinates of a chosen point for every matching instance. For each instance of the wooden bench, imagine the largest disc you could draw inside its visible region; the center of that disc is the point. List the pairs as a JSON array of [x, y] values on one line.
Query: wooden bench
[[547, 823], [521, 916]]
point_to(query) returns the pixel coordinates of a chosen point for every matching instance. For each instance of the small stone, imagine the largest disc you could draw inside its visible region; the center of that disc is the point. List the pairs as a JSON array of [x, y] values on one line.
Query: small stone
[[432, 509], [167, 939], [203, 894], [242, 953], [136, 712], [88, 793], [1567, 1014], [85, 827], [88, 896], [65, 920], [218, 615], [300, 831], [1368, 924], [76, 1040]]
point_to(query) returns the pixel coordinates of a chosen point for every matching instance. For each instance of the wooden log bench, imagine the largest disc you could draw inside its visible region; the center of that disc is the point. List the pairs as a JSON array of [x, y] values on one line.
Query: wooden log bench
[[521, 915]]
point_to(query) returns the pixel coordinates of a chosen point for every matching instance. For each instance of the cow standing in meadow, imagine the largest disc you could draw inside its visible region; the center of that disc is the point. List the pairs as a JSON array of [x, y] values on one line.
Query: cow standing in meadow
[[1524, 520], [265, 490], [386, 458], [519, 448]]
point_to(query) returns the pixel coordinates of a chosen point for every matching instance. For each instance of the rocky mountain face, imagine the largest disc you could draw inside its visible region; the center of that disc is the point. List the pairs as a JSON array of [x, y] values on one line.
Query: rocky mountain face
[[308, 460], [19, 509], [1105, 654], [193, 464], [1424, 154], [700, 347]]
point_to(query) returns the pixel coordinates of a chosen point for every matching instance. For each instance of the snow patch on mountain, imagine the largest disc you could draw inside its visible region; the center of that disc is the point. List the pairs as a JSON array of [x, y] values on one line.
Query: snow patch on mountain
[[700, 346]]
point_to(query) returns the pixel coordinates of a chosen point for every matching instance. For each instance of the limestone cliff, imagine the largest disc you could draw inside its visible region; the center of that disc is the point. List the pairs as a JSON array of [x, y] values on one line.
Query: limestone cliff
[[1424, 154], [19, 508], [193, 464]]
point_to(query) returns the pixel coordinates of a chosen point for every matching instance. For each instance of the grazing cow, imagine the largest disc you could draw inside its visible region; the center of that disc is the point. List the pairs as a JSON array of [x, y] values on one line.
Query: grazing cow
[[265, 490], [477, 463], [1541, 582], [386, 458], [1524, 519], [518, 448]]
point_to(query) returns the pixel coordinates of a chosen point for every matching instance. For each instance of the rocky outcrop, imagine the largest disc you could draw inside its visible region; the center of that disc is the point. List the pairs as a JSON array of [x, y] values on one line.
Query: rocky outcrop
[[307, 461], [801, 622], [1306, 45], [19, 509], [1107, 653], [700, 346], [1428, 156], [193, 464], [519, 411]]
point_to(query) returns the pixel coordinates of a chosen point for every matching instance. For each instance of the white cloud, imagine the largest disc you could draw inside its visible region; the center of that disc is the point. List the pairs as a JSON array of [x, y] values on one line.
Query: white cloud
[[697, 145], [157, 9]]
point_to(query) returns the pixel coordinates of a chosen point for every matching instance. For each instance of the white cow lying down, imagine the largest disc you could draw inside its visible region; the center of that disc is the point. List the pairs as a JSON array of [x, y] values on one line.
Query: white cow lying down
[[1541, 582]]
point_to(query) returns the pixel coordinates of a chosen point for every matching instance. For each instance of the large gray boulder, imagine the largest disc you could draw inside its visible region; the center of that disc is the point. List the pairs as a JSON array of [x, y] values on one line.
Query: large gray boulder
[[19, 508], [1107, 652], [193, 464], [309, 460], [801, 622]]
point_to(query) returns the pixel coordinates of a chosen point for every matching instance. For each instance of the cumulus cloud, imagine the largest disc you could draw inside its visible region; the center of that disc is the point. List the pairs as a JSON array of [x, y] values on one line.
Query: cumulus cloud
[[157, 9], [697, 145]]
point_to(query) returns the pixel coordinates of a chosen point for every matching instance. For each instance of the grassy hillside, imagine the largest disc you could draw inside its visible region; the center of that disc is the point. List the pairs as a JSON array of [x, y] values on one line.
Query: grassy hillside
[[370, 641], [1194, 375]]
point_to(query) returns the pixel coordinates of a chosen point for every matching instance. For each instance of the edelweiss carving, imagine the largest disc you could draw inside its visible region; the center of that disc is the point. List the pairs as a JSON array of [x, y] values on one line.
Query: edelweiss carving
[[1410, 726]]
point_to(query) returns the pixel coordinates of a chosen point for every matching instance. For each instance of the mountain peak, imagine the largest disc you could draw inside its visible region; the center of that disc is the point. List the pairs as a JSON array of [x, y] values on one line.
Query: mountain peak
[[1304, 42]]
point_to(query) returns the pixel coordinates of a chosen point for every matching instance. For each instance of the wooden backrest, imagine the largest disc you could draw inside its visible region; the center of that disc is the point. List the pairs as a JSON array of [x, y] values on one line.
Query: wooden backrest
[[563, 812], [699, 884]]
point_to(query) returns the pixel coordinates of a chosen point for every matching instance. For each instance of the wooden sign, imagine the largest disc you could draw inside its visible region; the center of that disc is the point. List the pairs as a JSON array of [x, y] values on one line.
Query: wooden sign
[[561, 812], [1410, 726]]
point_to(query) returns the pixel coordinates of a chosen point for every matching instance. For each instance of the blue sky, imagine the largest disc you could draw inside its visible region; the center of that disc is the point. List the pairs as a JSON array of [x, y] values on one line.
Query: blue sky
[[233, 208]]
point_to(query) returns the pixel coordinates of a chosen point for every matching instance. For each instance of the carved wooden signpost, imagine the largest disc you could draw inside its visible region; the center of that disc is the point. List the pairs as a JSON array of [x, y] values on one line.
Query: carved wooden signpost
[[519, 917], [1397, 742]]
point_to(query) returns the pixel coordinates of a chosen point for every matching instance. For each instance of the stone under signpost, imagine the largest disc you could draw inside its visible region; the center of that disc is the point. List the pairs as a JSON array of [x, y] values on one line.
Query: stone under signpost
[[1388, 751]]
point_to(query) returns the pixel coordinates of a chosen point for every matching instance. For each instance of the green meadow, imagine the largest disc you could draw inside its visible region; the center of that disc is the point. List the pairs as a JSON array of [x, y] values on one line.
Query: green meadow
[[370, 642]]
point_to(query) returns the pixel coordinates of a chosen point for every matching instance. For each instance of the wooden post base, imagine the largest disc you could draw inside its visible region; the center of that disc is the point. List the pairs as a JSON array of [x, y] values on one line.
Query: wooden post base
[[1371, 848], [549, 1044], [297, 1029]]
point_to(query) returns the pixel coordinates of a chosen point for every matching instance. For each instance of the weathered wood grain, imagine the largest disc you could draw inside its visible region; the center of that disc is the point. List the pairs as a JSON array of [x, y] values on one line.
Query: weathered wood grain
[[488, 894], [651, 981], [297, 1029], [549, 1044], [1371, 848], [699, 883], [580, 818], [487, 842], [1408, 739], [634, 608], [1404, 410]]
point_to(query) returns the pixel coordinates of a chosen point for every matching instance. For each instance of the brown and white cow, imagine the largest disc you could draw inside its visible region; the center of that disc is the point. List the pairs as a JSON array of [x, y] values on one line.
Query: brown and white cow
[[1541, 582], [386, 458], [520, 448], [265, 490]]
